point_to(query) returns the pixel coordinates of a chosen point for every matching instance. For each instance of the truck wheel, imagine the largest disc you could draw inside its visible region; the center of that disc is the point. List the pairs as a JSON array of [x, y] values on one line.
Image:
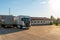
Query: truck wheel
[[19, 27], [27, 28]]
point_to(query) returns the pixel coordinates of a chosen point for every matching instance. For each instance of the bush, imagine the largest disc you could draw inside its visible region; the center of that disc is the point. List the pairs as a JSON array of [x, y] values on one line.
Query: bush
[[51, 23], [56, 24]]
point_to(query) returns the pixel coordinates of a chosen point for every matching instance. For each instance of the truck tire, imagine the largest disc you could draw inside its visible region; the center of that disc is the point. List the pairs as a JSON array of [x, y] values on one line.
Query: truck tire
[[20, 27], [27, 29]]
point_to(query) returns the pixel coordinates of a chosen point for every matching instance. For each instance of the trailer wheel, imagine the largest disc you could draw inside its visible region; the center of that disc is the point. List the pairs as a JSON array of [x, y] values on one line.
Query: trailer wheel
[[3, 26]]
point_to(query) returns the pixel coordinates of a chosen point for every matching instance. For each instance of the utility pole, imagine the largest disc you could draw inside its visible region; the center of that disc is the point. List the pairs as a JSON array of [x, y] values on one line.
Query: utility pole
[[9, 11]]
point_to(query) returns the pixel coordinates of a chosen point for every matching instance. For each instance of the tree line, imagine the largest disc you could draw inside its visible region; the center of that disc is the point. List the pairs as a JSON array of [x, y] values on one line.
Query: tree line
[[56, 21]]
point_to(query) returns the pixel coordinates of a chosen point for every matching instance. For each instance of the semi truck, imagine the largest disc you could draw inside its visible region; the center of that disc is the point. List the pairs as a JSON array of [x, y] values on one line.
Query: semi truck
[[21, 22]]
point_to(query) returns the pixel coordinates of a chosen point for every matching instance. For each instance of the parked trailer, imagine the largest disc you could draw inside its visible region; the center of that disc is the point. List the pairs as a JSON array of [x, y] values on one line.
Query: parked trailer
[[6, 20], [23, 22]]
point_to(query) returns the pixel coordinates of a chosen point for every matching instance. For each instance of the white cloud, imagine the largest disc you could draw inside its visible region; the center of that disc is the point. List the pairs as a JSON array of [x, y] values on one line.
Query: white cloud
[[43, 2]]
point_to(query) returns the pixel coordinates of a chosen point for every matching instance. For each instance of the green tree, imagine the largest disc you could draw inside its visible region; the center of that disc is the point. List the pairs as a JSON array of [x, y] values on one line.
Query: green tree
[[53, 20]]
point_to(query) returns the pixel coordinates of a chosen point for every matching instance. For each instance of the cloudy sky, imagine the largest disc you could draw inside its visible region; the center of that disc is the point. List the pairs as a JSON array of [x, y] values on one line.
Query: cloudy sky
[[40, 8]]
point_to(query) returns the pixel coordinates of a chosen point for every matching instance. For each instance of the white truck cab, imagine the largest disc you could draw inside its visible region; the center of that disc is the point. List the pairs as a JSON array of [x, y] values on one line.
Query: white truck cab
[[23, 22]]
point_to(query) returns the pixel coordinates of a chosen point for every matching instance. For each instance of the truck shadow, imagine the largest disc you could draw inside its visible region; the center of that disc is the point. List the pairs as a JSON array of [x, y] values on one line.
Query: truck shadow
[[9, 30]]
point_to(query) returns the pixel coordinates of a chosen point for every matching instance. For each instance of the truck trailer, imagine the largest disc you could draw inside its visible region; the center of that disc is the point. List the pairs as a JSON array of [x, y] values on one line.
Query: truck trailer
[[6, 20]]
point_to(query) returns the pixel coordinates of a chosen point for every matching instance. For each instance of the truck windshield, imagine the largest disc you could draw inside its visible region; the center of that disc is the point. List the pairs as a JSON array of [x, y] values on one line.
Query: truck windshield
[[26, 19]]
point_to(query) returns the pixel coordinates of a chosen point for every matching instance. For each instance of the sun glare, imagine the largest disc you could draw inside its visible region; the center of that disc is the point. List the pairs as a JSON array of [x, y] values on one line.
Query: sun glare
[[54, 7], [54, 4]]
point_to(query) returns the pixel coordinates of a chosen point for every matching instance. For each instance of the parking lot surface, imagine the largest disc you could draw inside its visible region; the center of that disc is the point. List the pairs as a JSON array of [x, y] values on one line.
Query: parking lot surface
[[34, 33]]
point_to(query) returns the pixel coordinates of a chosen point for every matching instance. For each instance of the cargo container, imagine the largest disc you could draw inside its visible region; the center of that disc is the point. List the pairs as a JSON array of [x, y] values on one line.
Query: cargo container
[[6, 20]]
